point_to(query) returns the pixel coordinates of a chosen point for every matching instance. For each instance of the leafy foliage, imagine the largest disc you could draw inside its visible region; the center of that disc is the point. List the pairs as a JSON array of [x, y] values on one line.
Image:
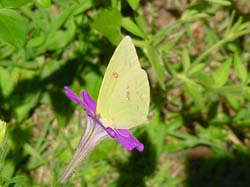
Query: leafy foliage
[[196, 55]]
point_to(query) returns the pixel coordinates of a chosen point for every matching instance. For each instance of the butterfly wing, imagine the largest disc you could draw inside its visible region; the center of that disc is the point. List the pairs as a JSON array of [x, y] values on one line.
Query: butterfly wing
[[123, 100]]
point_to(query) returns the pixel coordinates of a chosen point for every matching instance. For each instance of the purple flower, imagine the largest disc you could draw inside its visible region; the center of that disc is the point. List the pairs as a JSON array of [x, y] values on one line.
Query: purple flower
[[94, 133]]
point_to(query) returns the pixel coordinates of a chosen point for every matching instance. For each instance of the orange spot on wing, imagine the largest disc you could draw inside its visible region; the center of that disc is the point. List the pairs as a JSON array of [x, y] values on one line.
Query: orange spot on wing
[[115, 74]]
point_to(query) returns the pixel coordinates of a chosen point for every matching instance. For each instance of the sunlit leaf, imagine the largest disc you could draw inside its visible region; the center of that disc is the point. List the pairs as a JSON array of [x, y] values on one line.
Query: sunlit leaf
[[44, 3], [141, 22], [195, 92], [204, 78], [240, 68], [2, 132], [13, 3], [133, 4], [157, 64], [108, 22], [221, 2], [221, 74], [196, 68], [130, 25], [185, 59], [233, 100], [6, 82], [13, 27]]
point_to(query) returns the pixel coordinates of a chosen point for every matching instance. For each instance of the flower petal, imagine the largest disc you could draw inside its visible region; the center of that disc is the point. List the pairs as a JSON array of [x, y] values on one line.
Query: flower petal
[[90, 104], [70, 94], [93, 135], [124, 137], [87, 102]]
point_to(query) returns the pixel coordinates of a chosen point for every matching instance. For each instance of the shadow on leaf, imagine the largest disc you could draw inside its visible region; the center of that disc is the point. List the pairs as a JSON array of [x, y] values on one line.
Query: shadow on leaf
[[226, 171], [139, 165]]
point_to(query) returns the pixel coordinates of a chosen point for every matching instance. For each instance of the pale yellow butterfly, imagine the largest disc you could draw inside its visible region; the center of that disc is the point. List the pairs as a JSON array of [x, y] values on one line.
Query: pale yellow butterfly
[[124, 97]]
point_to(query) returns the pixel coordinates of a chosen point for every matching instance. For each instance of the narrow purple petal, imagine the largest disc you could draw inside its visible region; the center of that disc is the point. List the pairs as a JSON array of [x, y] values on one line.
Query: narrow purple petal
[[90, 104], [87, 102], [70, 94], [124, 137]]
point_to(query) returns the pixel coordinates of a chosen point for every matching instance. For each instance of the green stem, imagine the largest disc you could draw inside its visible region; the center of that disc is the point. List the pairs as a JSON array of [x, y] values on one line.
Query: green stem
[[227, 38], [208, 51]]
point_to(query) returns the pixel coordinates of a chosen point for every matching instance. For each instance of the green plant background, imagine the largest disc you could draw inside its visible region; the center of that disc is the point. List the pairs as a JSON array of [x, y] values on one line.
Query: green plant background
[[197, 58]]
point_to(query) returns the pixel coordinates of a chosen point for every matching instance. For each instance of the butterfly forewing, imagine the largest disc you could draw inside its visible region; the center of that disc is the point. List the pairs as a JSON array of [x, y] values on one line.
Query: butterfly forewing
[[123, 100]]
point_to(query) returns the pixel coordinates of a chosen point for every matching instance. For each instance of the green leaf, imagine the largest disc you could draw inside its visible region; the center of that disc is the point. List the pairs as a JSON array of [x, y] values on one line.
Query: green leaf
[[2, 131], [204, 79], [185, 59], [17, 181], [36, 41], [60, 40], [84, 5], [33, 152], [131, 26], [13, 3], [44, 3], [22, 111], [142, 23], [13, 27], [166, 47], [93, 82], [108, 22], [233, 100], [174, 147], [220, 75], [7, 170], [133, 4], [157, 64], [194, 91], [240, 68], [242, 118], [221, 2], [55, 26], [157, 132], [6, 82], [192, 15], [196, 68]]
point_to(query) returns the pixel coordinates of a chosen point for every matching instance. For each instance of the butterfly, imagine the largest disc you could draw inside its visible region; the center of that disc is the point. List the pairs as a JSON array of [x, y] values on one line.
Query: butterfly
[[124, 96]]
